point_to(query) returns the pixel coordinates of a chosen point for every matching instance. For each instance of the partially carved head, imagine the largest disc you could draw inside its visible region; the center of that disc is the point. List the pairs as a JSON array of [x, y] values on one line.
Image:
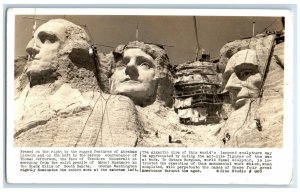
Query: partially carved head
[[242, 77], [55, 45], [142, 72]]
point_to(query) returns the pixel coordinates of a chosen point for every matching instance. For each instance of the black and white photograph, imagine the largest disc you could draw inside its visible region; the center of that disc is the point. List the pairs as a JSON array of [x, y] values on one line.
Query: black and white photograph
[[148, 81], [149, 96]]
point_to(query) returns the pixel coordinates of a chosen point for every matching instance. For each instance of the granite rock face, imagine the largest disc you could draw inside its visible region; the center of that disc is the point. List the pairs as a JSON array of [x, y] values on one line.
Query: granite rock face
[[68, 118], [70, 110], [75, 110], [146, 64], [259, 123], [258, 43]]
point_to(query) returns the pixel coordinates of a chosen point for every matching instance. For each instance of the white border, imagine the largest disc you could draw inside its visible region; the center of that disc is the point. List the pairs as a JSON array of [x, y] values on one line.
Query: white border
[[137, 2], [121, 11], [282, 165]]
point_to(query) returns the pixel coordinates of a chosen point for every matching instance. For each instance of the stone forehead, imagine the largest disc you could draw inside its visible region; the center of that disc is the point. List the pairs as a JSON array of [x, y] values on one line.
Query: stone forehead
[[151, 49], [51, 25], [133, 52], [63, 22], [53, 28], [244, 56], [63, 27]]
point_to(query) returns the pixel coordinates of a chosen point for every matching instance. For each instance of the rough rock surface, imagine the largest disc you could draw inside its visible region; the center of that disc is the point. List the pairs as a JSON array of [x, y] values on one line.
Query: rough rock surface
[[72, 112], [241, 124], [159, 123], [44, 119], [48, 123], [20, 78], [66, 107], [106, 61], [20, 63], [68, 118], [260, 43]]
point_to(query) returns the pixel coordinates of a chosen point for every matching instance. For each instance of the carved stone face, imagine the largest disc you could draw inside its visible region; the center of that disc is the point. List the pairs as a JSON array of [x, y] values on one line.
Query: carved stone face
[[43, 49], [242, 77], [134, 76]]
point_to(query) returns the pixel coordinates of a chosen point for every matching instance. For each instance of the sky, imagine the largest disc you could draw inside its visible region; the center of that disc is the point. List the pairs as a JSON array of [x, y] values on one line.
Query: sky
[[176, 32]]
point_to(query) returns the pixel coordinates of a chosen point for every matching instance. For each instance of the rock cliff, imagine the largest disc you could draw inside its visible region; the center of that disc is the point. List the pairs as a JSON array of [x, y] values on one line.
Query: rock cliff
[[73, 111], [242, 127]]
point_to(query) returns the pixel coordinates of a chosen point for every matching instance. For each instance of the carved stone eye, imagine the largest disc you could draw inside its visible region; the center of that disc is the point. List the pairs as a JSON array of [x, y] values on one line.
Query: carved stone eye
[[245, 70], [145, 65], [120, 64], [246, 73], [47, 37], [125, 60]]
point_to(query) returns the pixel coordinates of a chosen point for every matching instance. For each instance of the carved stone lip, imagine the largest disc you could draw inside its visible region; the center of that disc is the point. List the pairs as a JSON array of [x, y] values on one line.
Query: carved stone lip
[[241, 98], [33, 59], [128, 80]]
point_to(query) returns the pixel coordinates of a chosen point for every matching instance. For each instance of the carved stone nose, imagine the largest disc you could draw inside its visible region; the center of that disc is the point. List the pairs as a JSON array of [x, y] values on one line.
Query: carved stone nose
[[32, 49], [233, 84], [132, 71]]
